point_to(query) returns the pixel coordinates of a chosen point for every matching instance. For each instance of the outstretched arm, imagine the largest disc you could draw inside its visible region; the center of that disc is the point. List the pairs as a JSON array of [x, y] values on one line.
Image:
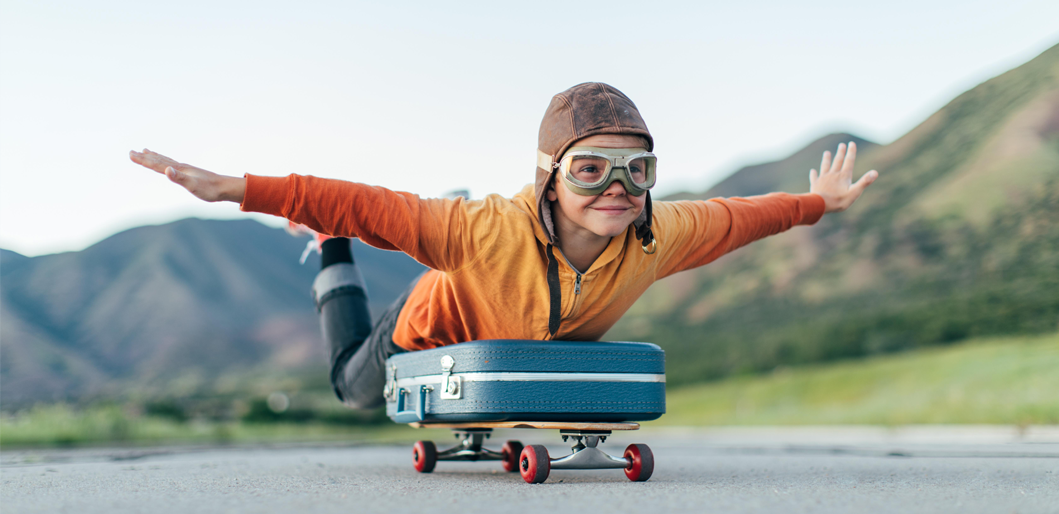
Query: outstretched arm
[[834, 181], [436, 232], [206, 185], [698, 232]]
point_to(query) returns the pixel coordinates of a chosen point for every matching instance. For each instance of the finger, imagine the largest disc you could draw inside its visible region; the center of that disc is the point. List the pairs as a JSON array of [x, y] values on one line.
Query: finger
[[840, 154], [152, 160], [825, 163], [157, 157], [851, 157], [146, 161], [864, 182], [813, 175]]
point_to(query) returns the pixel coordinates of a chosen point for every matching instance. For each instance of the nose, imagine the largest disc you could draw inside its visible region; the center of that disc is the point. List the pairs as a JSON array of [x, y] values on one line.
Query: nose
[[614, 189]]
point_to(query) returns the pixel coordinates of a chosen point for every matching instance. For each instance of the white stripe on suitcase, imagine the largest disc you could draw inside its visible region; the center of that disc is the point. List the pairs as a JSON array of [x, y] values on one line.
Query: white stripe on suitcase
[[534, 377]]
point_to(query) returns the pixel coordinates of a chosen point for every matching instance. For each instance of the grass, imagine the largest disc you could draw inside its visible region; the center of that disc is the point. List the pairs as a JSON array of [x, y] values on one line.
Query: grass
[[65, 425], [1012, 380]]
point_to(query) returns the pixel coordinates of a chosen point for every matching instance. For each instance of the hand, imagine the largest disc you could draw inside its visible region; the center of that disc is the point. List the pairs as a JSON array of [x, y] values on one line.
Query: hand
[[204, 184], [833, 182]]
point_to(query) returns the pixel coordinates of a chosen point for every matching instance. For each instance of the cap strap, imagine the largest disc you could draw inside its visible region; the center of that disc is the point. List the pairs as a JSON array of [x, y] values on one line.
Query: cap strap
[[554, 295]]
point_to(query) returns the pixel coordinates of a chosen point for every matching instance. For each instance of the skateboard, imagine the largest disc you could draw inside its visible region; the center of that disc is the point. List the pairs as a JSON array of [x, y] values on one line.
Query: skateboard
[[533, 461]]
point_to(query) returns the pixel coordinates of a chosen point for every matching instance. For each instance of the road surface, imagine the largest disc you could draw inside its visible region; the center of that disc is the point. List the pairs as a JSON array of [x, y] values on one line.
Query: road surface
[[847, 470]]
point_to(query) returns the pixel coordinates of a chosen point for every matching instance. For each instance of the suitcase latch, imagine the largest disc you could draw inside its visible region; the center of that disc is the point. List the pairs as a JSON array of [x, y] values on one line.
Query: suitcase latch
[[390, 391], [451, 385]]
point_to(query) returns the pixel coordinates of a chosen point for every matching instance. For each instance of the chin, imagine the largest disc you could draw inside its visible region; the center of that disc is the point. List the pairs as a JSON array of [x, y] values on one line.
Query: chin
[[612, 231]]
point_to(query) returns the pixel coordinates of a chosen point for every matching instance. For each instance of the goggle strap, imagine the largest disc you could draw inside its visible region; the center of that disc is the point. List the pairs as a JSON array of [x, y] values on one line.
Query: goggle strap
[[545, 162]]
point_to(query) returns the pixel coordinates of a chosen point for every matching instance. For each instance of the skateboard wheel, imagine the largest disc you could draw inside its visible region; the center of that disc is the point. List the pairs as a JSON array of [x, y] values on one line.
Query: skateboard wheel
[[641, 462], [424, 456], [534, 464], [511, 451]]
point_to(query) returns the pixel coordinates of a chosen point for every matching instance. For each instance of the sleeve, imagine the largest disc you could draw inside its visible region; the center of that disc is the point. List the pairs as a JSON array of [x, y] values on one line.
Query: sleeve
[[435, 232], [694, 233]]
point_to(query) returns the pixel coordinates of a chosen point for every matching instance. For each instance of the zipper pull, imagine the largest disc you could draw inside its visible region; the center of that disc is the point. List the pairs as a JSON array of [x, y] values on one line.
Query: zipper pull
[[577, 284]]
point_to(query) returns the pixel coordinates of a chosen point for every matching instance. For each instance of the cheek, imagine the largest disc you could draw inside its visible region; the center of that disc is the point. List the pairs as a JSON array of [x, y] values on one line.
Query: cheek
[[571, 204], [575, 205]]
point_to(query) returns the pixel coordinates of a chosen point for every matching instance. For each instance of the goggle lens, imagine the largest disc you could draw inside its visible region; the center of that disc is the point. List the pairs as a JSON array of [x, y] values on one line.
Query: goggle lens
[[589, 169], [640, 170]]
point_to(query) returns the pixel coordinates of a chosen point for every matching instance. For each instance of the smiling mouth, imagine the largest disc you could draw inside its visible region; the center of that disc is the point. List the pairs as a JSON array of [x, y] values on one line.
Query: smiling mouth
[[612, 210]]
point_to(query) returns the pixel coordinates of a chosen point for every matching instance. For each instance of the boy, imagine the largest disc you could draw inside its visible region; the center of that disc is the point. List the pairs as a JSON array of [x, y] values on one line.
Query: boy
[[563, 260]]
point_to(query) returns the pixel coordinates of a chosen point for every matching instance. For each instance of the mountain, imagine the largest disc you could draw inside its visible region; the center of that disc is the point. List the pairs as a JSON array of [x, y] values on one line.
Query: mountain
[[759, 179], [959, 237], [193, 298]]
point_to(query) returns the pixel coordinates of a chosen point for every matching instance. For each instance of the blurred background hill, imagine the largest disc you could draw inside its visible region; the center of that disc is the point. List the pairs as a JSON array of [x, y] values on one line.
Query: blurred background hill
[[958, 239], [168, 309]]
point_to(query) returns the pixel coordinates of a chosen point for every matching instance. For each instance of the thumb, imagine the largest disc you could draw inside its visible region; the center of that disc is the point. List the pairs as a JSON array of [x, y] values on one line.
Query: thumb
[[866, 180], [175, 175]]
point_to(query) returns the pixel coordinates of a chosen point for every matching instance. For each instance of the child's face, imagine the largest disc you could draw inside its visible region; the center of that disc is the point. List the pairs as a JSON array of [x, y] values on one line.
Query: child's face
[[607, 214]]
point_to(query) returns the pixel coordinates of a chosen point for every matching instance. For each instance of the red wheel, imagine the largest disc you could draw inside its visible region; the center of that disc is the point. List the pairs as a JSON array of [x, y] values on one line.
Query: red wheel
[[534, 464], [424, 456], [641, 462], [511, 451]]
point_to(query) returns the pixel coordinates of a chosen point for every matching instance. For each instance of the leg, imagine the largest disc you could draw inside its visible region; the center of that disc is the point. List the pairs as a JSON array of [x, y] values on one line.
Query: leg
[[359, 376], [358, 353], [341, 299]]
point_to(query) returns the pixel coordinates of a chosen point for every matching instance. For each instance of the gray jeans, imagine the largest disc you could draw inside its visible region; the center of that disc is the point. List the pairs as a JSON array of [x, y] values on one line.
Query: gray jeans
[[358, 350]]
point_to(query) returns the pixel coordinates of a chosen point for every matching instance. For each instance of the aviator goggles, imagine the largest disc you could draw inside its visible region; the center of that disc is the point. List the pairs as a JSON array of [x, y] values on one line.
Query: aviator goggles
[[589, 171]]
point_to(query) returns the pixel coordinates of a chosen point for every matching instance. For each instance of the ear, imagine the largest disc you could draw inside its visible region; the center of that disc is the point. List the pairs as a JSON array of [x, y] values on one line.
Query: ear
[[551, 195]]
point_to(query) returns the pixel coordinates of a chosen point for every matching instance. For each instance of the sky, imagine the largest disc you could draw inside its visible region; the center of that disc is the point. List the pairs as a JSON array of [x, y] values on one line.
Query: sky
[[429, 97]]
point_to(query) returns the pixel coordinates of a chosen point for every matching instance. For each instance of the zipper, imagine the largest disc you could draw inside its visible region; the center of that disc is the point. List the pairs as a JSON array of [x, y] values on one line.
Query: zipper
[[577, 282], [576, 304]]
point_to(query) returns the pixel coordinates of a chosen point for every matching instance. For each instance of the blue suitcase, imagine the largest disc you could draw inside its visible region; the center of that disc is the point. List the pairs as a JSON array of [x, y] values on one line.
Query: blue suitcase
[[519, 380]]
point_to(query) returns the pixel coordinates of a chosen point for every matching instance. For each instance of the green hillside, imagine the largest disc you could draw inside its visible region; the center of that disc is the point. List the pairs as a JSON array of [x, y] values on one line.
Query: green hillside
[[766, 177], [998, 381], [958, 238]]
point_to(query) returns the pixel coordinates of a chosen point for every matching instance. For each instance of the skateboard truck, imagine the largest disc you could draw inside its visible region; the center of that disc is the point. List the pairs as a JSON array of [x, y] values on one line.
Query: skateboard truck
[[533, 462], [584, 454], [470, 448]]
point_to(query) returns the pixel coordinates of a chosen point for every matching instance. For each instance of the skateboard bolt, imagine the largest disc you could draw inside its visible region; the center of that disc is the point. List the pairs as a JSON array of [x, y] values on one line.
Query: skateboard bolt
[[524, 464]]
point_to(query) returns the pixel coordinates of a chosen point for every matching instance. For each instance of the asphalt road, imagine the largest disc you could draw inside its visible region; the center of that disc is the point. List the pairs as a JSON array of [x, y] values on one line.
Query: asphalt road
[[734, 470]]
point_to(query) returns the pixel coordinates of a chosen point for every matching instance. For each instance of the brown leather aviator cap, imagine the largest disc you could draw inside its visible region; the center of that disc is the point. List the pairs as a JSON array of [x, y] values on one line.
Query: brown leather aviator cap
[[581, 111]]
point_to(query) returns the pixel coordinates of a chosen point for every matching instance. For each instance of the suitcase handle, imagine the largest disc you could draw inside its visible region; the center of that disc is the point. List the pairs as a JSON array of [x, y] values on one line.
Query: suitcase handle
[[421, 406]]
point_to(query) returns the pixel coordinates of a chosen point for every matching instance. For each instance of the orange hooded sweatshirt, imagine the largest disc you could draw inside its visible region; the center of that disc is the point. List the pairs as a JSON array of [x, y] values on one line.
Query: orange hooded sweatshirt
[[494, 274]]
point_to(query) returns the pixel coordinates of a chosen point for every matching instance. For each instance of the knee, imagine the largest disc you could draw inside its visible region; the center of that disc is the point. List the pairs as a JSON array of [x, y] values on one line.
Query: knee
[[359, 400], [352, 390]]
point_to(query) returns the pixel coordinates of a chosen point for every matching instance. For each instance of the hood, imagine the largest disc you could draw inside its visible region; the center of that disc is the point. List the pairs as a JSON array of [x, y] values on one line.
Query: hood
[[581, 111]]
